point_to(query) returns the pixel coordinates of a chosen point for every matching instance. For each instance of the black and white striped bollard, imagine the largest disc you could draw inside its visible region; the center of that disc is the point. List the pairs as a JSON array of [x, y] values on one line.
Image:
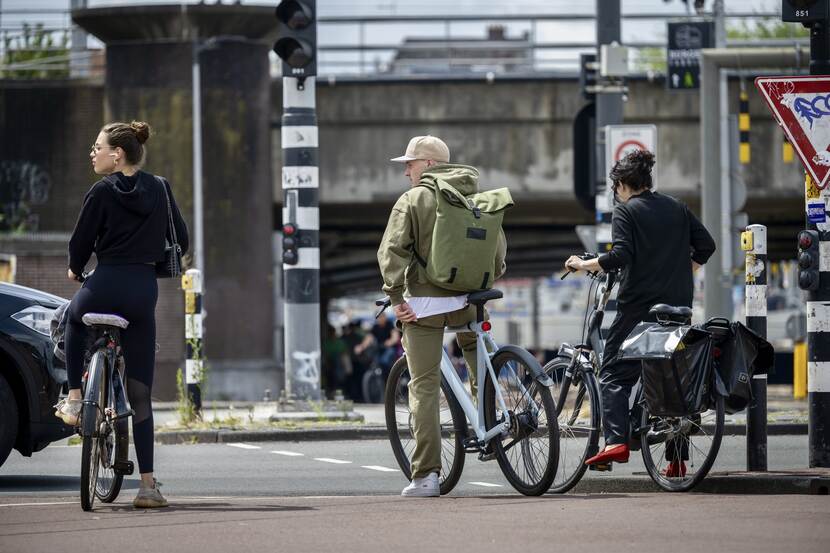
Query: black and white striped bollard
[[754, 242]]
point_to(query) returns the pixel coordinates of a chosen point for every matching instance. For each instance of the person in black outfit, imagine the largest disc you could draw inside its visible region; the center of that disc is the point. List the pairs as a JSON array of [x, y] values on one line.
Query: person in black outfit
[[657, 242], [124, 220]]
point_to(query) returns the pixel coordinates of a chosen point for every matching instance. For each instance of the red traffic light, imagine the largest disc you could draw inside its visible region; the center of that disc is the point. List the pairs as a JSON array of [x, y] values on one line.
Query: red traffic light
[[289, 229], [804, 240]]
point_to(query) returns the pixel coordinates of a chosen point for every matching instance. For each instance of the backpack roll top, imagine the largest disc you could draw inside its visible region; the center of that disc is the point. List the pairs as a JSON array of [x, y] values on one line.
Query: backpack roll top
[[465, 238]]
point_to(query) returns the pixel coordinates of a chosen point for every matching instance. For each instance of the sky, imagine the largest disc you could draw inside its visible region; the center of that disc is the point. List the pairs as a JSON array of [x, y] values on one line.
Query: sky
[[388, 34]]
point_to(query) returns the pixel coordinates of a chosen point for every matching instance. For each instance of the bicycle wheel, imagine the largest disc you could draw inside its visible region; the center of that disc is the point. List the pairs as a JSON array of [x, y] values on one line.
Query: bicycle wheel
[[693, 442], [92, 417], [528, 453], [399, 427], [372, 385], [109, 481], [578, 410]]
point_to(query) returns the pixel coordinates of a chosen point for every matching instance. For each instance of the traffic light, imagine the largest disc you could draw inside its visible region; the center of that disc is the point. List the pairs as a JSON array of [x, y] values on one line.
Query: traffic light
[[290, 256], [808, 260], [803, 11], [296, 44]]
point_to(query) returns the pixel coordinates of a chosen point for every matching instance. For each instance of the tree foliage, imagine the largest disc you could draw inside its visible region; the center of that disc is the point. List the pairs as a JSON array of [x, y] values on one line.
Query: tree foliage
[[48, 56]]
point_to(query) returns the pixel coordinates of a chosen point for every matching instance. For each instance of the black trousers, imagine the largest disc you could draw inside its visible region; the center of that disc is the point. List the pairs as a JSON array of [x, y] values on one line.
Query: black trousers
[[617, 378], [130, 291]]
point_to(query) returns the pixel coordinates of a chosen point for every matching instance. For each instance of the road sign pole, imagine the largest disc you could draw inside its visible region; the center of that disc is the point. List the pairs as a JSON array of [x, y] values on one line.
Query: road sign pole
[[609, 112], [818, 325]]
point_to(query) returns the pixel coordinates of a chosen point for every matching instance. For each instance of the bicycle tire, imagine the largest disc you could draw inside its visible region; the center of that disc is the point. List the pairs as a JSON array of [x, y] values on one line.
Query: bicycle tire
[[91, 418], [578, 431], [107, 493], [685, 482], [453, 431], [517, 375], [372, 385]]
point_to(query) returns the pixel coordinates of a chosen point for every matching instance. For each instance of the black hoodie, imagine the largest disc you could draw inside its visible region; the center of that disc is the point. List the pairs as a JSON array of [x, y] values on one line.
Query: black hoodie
[[124, 220]]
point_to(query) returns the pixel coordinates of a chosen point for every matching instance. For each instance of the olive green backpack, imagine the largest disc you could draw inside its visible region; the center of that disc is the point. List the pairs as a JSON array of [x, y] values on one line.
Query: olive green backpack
[[465, 237]]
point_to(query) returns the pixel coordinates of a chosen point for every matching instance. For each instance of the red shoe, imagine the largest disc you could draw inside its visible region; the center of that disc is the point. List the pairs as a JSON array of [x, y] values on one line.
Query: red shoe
[[616, 453], [676, 469]]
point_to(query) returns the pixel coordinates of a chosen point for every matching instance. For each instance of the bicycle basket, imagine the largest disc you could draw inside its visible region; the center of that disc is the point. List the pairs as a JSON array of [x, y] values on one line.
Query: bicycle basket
[[676, 364]]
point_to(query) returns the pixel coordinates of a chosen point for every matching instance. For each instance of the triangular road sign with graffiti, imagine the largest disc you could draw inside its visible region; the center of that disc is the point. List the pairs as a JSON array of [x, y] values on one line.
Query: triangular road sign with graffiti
[[801, 105]]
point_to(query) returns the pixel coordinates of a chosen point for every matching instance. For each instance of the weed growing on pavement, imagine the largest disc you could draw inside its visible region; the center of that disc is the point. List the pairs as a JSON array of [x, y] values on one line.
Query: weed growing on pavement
[[184, 407]]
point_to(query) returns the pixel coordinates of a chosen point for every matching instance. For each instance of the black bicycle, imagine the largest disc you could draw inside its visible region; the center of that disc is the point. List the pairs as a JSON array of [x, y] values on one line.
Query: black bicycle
[[575, 370], [103, 422]]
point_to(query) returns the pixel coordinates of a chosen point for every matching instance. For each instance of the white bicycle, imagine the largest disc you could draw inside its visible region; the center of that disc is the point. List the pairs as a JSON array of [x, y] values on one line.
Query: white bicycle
[[512, 420]]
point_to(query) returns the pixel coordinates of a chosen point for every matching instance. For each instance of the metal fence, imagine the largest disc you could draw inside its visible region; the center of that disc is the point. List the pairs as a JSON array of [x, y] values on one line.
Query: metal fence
[[393, 46]]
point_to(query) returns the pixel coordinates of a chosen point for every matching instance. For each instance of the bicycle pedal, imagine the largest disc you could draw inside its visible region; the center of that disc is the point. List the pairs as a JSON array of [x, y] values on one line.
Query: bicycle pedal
[[602, 467], [483, 456], [124, 415], [123, 467]]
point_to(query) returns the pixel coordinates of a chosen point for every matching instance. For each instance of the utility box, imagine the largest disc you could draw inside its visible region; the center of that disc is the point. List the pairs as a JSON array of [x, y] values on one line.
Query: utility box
[[613, 60]]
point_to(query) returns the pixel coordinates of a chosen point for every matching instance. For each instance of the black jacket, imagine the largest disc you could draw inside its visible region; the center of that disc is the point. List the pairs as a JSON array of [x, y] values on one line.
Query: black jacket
[[124, 220], [656, 238]]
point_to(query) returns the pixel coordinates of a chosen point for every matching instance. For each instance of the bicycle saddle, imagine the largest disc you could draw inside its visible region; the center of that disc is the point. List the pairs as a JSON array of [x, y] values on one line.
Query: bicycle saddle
[[105, 319], [679, 314], [480, 298]]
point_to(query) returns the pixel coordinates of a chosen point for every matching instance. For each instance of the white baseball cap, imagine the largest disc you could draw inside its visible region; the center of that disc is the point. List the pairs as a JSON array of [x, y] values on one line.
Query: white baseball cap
[[425, 147]]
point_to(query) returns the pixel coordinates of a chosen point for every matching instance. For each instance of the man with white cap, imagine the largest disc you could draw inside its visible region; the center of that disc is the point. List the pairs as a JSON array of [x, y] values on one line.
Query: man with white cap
[[422, 308]]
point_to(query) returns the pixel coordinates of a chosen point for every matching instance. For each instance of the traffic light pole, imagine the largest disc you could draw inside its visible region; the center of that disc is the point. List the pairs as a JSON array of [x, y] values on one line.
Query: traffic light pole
[[301, 244], [818, 301], [609, 111]]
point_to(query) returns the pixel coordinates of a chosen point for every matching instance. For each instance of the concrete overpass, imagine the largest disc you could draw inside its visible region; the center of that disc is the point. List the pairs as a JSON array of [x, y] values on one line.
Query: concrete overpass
[[518, 133]]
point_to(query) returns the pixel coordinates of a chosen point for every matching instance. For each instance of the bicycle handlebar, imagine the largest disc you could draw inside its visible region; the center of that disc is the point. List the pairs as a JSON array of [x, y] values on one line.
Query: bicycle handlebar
[[383, 303], [585, 257]]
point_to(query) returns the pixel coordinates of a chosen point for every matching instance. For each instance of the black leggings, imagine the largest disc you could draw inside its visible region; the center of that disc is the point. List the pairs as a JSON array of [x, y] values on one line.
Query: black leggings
[[130, 291]]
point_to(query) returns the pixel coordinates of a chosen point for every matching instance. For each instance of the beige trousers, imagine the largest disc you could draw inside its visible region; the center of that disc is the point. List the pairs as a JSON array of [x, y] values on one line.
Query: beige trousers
[[423, 341]]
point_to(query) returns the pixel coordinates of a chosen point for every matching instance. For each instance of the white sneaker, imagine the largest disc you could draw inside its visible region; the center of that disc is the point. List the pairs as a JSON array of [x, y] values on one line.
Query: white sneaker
[[423, 487]]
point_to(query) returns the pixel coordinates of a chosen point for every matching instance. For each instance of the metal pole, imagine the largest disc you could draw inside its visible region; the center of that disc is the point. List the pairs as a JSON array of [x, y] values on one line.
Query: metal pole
[[198, 226], [194, 359], [756, 320], [300, 184], [78, 60], [609, 112], [717, 297], [818, 309]]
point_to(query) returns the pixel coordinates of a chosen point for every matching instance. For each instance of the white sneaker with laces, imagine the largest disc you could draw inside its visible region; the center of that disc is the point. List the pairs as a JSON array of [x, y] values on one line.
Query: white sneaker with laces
[[423, 487]]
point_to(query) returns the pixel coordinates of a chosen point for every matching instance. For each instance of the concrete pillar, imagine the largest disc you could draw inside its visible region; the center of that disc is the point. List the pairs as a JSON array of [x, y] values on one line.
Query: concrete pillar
[[148, 77]]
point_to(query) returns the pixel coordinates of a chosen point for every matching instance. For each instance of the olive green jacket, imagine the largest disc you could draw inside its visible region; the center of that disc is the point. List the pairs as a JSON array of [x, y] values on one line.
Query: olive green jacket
[[410, 229]]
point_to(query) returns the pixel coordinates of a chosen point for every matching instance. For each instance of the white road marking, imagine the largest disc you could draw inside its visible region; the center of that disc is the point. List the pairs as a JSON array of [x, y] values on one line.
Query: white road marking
[[379, 468], [335, 461], [38, 504], [288, 453], [244, 446], [485, 484]]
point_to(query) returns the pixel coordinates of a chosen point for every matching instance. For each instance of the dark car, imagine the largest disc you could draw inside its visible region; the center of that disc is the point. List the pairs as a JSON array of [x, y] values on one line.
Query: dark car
[[31, 377]]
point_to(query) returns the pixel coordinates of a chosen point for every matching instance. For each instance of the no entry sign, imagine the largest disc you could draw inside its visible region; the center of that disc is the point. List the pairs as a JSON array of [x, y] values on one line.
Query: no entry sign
[[623, 139], [801, 105]]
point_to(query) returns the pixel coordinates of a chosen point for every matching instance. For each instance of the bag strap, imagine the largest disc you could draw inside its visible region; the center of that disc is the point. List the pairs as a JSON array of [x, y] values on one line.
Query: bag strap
[[169, 211]]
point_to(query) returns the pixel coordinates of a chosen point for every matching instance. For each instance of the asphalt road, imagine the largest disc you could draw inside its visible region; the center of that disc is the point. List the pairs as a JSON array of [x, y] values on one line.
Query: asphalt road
[[343, 496], [313, 468]]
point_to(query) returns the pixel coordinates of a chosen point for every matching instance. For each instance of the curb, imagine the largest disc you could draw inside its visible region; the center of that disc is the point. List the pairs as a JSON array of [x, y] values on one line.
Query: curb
[[738, 483], [275, 435]]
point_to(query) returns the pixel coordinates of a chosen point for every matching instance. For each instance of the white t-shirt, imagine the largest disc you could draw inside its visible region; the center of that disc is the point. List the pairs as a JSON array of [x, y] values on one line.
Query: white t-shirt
[[427, 306]]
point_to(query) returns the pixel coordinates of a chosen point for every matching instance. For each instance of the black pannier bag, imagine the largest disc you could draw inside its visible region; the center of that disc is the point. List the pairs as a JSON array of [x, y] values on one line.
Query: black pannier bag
[[677, 367], [739, 354]]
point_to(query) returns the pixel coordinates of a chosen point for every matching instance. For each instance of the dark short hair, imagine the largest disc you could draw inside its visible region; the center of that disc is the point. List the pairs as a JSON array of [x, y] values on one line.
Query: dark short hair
[[130, 138], [633, 170]]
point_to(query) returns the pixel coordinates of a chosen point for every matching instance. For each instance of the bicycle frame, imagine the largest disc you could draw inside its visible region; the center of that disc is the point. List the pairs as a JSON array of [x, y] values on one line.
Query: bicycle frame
[[485, 350], [117, 400]]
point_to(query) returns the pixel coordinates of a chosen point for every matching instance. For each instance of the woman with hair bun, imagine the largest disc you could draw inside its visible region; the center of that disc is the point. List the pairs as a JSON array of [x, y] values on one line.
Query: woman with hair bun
[[124, 220], [657, 242]]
